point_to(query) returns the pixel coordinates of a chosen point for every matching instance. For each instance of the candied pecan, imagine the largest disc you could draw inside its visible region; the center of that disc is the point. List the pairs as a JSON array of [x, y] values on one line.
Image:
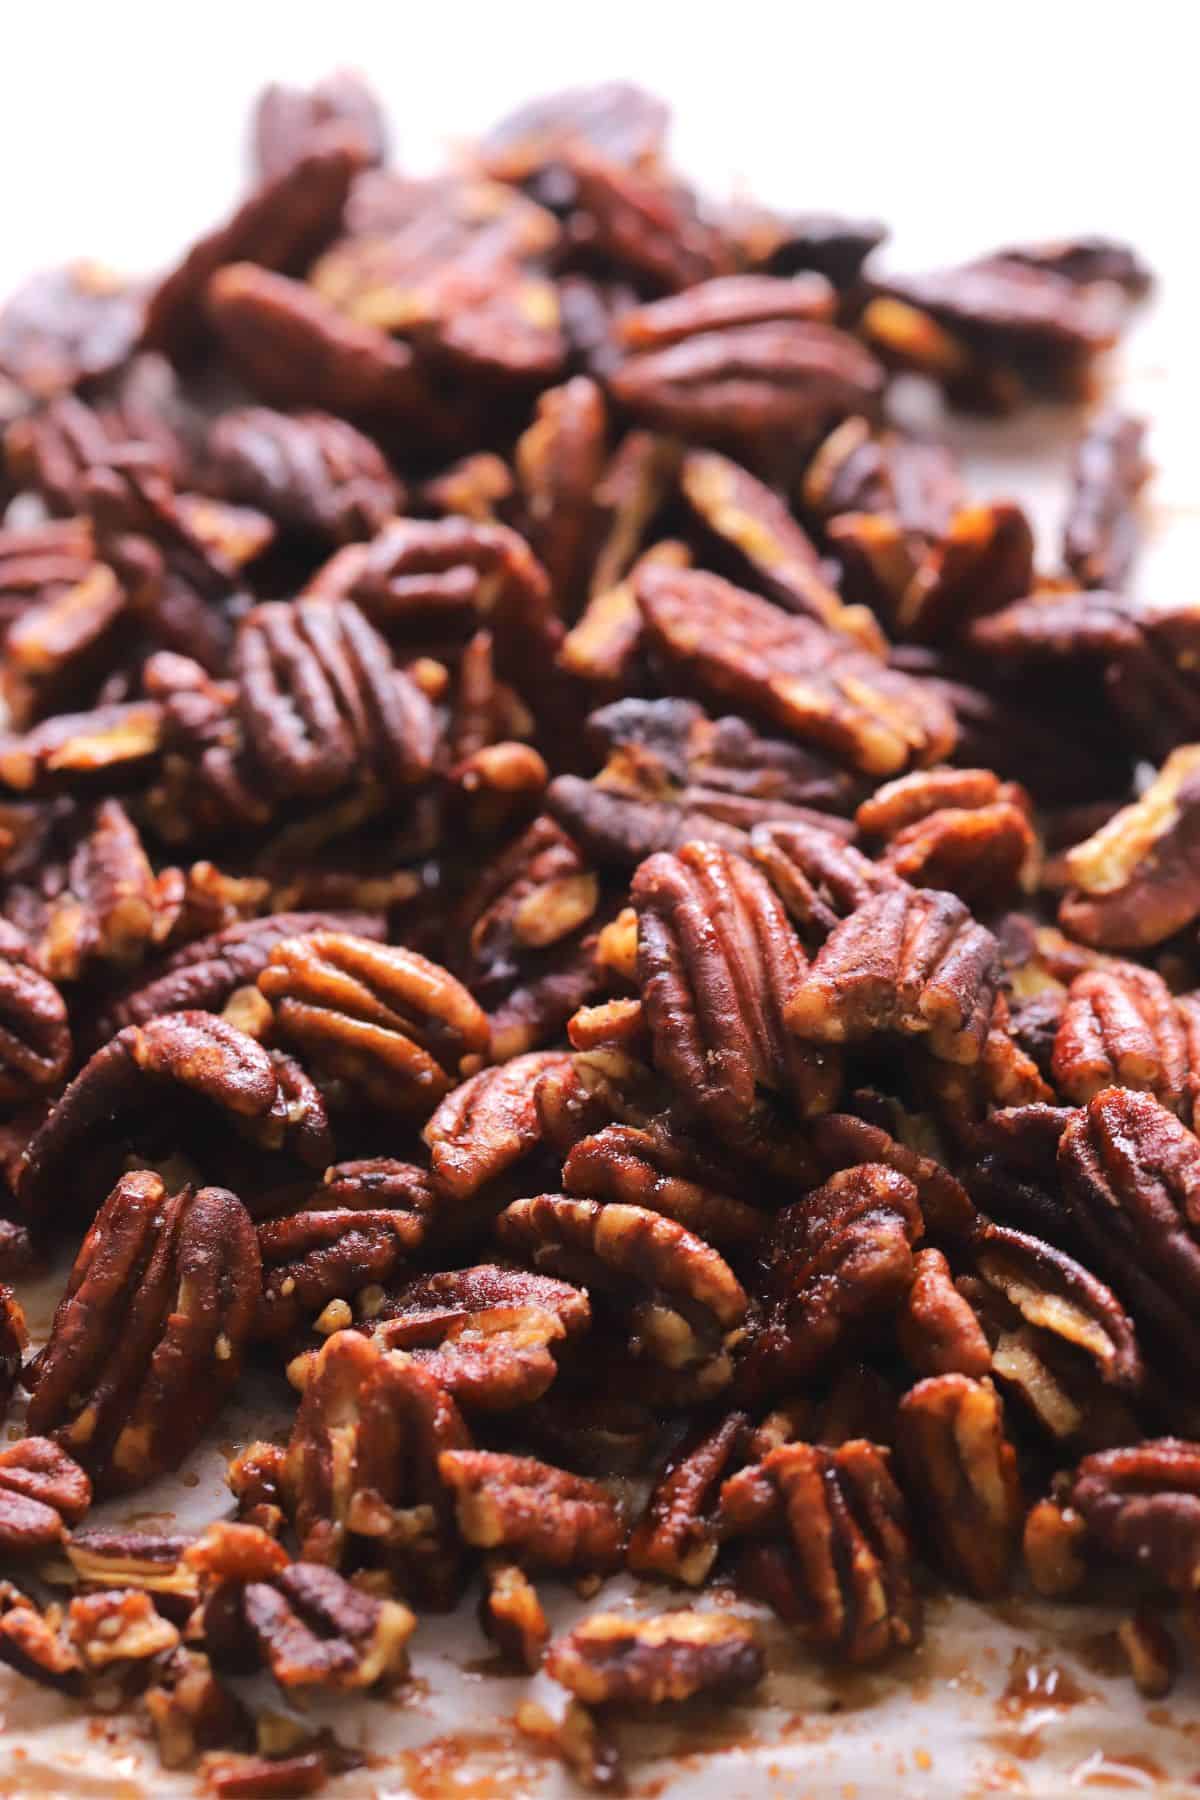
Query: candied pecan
[[837, 1562], [676, 1538], [1100, 530], [717, 964], [118, 1627], [310, 472], [837, 1262], [325, 1252], [1120, 1027], [661, 1173], [559, 460], [281, 225], [42, 1491], [723, 302], [913, 962], [958, 829], [1142, 1504], [840, 1141], [732, 645], [312, 1629], [35, 1645], [361, 1464], [1086, 259], [534, 895], [997, 329], [604, 644], [134, 1559], [118, 742], [14, 1339], [54, 645], [287, 119], [611, 1657], [744, 384], [543, 1514], [1133, 883], [297, 350], [147, 1339], [830, 244], [321, 703], [511, 1614], [392, 1025], [207, 972], [65, 326], [487, 1335], [488, 1124], [818, 874], [618, 118], [936, 1328], [265, 1097], [189, 1709], [1149, 1650], [775, 550], [575, 1738], [35, 1035], [647, 226], [111, 906], [679, 1295], [958, 1460], [1131, 1179], [1051, 1543]]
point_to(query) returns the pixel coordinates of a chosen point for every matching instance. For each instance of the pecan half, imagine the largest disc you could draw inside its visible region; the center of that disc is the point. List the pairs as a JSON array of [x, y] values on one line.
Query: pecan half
[[958, 1460], [312, 1629], [267, 1098], [730, 645], [539, 1513], [393, 1026], [1142, 1504], [837, 1560], [660, 1172], [42, 1491], [147, 1339], [717, 964], [818, 874], [1121, 1027], [937, 1329], [560, 459], [913, 962], [35, 1036], [957, 829], [678, 1295], [488, 1124], [311, 472], [677, 1537], [612, 1658], [837, 1262], [1134, 882]]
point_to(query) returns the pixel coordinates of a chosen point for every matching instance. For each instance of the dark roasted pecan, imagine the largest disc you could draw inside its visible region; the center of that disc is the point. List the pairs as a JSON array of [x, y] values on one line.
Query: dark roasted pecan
[[511, 1614], [958, 1460], [731, 645], [266, 1097], [286, 120], [42, 1491], [321, 702], [488, 1124], [312, 1629], [619, 119], [837, 1262], [612, 1658], [147, 1339], [661, 1172], [840, 1141], [837, 1560], [35, 1037], [1100, 531], [560, 459], [541, 1514], [1121, 1027], [310, 472], [717, 964], [117, 741], [361, 1467], [1086, 259], [678, 1296], [818, 873], [1133, 883], [677, 1537], [108, 905], [1131, 1179], [913, 962], [393, 1026], [281, 226], [650, 228], [1142, 1504]]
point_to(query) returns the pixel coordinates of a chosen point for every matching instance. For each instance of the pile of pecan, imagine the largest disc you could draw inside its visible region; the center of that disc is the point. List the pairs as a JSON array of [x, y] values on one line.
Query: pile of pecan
[[566, 885]]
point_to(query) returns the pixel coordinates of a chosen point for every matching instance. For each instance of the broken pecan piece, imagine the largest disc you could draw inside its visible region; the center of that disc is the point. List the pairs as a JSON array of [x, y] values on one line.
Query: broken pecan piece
[[393, 1026], [1134, 882], [311, 1629], [42, 1491], [837, 1560], [957, 1458], [35, 1035], [613, 1658], [677, 1537], [1100, 532], [937, 1329], [511, 1614], [147, 1339], [533, 1510], [913, 962]]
